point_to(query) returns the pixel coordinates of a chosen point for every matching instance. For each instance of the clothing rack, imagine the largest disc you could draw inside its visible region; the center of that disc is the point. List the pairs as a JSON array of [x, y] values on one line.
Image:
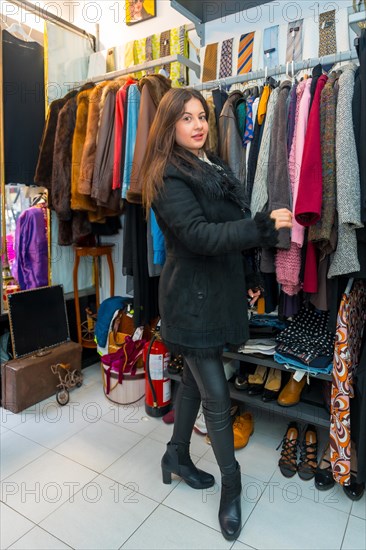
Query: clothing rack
[[143, 67], [49, 16], [305, 64]]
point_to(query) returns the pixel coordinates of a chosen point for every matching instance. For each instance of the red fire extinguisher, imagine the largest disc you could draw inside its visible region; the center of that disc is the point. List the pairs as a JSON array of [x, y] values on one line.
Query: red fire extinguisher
[[157, 382]]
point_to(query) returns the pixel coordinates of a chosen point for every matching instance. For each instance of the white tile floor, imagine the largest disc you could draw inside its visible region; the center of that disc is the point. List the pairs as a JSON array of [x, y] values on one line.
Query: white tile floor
[[87, 476]]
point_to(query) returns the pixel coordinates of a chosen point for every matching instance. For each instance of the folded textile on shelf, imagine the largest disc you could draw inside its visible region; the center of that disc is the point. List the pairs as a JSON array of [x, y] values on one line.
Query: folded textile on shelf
[[267, 346], [307, 337], [310, 368]]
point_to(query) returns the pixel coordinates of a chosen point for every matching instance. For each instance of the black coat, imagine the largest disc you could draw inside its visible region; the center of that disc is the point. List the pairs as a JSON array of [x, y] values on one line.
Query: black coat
[[203, 288]]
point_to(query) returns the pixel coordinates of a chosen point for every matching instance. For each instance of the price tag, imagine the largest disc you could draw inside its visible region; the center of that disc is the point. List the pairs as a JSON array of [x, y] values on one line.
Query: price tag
[[299, 375]]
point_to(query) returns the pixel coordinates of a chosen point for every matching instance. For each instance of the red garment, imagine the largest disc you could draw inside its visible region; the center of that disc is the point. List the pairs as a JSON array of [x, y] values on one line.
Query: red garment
[[119, 124], [309, 199], [311, 269]]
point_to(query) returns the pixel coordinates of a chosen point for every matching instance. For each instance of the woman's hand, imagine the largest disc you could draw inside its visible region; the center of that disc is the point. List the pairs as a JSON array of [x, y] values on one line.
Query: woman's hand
[[282, 218], [254, 294]]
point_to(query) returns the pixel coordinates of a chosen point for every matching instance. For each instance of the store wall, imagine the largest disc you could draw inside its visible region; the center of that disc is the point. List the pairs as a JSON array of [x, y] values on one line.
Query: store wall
[[109, 15], [281, 12]]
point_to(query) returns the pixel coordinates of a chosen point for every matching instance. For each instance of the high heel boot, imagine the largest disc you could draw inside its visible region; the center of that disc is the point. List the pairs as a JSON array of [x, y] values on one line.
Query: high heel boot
[[230, 505], [177, 460]]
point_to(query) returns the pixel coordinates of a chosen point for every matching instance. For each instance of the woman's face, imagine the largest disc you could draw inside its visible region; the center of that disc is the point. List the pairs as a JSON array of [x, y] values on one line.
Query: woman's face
[[138, 7], [192, 128]]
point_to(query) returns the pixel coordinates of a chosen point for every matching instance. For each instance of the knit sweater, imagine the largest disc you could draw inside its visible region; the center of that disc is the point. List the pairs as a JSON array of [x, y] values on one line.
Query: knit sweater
[[345, 259], [260, 193]]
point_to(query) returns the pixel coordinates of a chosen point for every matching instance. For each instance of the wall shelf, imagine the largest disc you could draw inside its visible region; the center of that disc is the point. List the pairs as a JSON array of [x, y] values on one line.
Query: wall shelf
[[309, 410], [205, 11], [266, 361], [354, 18]]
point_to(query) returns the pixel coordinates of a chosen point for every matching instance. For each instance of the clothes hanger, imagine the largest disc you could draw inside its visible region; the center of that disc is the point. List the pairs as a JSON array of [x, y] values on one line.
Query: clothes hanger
[[17, 29]]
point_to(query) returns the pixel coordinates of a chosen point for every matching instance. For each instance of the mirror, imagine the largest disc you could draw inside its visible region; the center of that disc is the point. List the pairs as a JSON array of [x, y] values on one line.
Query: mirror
[[25, 218], [27, 235]]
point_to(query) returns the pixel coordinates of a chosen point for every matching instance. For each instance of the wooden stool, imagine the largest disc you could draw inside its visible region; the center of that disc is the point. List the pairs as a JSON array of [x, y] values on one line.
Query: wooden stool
[[95, 252]]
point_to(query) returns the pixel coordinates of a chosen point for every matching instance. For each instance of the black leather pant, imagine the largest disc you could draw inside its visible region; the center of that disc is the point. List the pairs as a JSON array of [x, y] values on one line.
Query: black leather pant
[[204, 379]]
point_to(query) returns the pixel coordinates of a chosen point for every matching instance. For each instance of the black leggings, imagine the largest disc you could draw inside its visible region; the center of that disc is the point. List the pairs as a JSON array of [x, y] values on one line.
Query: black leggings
[[204, 379]]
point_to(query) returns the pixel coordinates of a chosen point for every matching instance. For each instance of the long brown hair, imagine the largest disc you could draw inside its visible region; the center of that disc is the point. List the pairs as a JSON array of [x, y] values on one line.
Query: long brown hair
[[161, 145]]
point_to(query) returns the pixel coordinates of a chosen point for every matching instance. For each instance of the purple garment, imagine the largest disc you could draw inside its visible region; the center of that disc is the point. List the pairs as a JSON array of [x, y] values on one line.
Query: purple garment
[[31, 248], [291, 117], [289, 305]]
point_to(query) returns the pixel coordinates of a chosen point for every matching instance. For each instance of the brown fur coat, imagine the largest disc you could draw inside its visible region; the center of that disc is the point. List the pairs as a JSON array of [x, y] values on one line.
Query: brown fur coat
[[79, 201], [43, 174]]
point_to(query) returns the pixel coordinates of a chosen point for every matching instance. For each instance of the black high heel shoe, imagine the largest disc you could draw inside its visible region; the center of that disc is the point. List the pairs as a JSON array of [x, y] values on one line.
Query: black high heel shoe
[[308, 454], [323, 474], [257, 380], [354, 490], [177, 460], [288, 459]]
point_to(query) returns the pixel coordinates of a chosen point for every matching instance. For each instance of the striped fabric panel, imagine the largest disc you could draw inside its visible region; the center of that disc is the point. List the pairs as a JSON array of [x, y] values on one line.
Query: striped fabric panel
[[245, 55]]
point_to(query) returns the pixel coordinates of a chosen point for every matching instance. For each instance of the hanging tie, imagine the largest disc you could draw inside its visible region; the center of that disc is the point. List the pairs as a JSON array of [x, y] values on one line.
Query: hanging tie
[[210, 63], [327, 33], [270, 47], [165, 48], [249, 126], [149, 53], [226, 59], [245, 55], [182, 50], [294, 41]]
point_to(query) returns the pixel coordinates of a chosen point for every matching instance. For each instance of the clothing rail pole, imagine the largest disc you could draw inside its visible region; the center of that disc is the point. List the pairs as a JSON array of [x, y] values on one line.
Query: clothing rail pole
[[142, 67], [44, 14], [348, 55]]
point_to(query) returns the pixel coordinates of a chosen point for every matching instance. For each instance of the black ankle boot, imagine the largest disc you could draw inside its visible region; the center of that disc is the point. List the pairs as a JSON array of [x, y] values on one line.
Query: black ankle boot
[[230, 505], [177, 460]]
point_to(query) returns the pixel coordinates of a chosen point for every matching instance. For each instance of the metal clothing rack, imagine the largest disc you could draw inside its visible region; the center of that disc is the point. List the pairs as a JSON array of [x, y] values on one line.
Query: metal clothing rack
[[305, 64], [43, 12], [144, 66]]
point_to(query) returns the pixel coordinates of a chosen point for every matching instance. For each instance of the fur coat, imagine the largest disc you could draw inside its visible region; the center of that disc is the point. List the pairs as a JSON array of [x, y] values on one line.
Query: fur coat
[[72, 226], [78, 201], [43, 174], [90, 144], [96, 104], [203, 288]]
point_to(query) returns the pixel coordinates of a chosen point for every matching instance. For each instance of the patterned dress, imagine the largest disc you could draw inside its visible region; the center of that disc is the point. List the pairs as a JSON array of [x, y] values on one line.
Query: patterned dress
[[350, 325]]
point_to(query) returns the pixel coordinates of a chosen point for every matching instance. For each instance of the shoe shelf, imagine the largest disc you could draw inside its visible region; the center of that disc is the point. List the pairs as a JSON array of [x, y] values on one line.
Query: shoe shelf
[[308, 410], [265, 361]]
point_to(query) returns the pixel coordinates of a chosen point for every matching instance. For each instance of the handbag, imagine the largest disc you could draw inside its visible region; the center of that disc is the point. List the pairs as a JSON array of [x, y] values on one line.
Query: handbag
[[123, 326]]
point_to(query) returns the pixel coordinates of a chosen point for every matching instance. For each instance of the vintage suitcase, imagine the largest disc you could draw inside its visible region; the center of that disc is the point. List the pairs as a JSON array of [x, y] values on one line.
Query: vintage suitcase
[[28, 380]]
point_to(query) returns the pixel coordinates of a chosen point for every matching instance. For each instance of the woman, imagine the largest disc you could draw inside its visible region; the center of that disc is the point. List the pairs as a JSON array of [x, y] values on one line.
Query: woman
[[201, 210], [137, 11]]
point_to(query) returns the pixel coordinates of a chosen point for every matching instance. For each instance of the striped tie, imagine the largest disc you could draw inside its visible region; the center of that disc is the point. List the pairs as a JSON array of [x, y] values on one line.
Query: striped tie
[[245, 56], [210, 62], [226, 59], [294, 41]]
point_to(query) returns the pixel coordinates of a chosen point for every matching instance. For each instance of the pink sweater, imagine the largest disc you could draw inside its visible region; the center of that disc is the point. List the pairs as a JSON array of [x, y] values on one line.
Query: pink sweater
[[302, 122], [288, 262]]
